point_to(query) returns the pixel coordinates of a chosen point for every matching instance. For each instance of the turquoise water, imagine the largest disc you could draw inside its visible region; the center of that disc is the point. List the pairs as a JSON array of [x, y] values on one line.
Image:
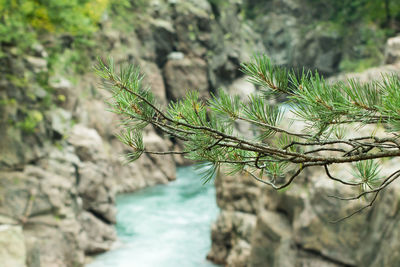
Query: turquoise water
[[166, 225]]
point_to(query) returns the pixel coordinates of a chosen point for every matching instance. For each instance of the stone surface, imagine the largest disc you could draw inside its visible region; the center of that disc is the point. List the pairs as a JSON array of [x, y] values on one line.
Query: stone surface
[[54, 246], [61, 121], [37, 64], [165, 163], [154, 79], [97, 190], [372, 74], [12, 246], [185, 75], [392, 51], [293, 228], [242, 88], [290, 40], [66, 95], [98, 236], [47, 205], [87, 143], [230, 236]]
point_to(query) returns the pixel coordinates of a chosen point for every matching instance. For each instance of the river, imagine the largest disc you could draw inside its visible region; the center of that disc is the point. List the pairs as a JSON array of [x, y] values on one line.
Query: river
[[165, 225]]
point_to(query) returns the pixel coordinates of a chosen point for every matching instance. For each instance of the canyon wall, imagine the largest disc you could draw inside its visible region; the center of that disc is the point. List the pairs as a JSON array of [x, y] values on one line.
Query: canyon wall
[[61, 165]]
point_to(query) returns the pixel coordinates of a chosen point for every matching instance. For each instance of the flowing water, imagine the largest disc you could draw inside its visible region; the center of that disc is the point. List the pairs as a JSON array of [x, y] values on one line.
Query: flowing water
[[165, 225]]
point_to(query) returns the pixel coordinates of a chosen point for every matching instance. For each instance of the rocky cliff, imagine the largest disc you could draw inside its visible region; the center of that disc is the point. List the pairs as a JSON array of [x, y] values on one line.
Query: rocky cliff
[[61, 165]]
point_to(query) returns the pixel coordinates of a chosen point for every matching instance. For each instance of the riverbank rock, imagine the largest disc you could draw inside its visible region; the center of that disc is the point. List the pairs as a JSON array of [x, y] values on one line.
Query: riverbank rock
[[294, 228], [12, 246], [184, 75], [392, 51], [391, 66], [230, 236], [97, 236], [293, 37], [46, 204]]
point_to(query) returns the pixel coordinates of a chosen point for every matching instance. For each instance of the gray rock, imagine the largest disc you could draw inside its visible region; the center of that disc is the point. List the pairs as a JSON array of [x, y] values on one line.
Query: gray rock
[[66, 94], [87, 142], [186, 75], [230, 235], [60, 83], [293, 227], [165, 163], [98, 236], [54, 246], [46, 204], [243, 88], [97, 191], [392, 51], [37, 64], [154, 79], [176, 56], [372, 74], [12, 246], [61, 121], [271, 242], [39, 50], [237, 193], [290, 41]]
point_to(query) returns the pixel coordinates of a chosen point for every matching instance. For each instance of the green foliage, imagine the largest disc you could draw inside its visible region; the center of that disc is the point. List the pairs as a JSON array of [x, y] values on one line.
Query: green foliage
[[364, 25], [24, 20], [25, 23], [133, 139], [30, 122], [348, 12], [365, 47], [127, 14], [368, 173], [207, 170]]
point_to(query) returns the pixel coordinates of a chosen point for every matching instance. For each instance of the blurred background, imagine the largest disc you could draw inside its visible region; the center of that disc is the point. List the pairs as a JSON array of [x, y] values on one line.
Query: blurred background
[[60, 163]]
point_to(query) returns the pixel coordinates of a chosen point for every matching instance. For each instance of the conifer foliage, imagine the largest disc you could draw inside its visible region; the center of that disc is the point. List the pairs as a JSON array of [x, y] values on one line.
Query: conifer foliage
[[275, 156]]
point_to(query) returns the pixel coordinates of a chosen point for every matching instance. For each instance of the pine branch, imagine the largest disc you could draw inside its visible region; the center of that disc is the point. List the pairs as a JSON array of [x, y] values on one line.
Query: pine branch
[[207, 128]]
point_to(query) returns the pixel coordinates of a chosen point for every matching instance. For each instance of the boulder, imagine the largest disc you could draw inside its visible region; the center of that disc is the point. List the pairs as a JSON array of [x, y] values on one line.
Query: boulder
[[87, 143], [272, 242], [97, 190], [165, 163], [97, 117], [392, 50], [46, 204], [154, 79], [294, 227], [54, 246], [146, 171], [98, 236], [66, 96], [371, 74], [230, 236], [61, 121], [237, 193], [12, 246], [157, 37], [186, 75], [242, 88], [37, 64]]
